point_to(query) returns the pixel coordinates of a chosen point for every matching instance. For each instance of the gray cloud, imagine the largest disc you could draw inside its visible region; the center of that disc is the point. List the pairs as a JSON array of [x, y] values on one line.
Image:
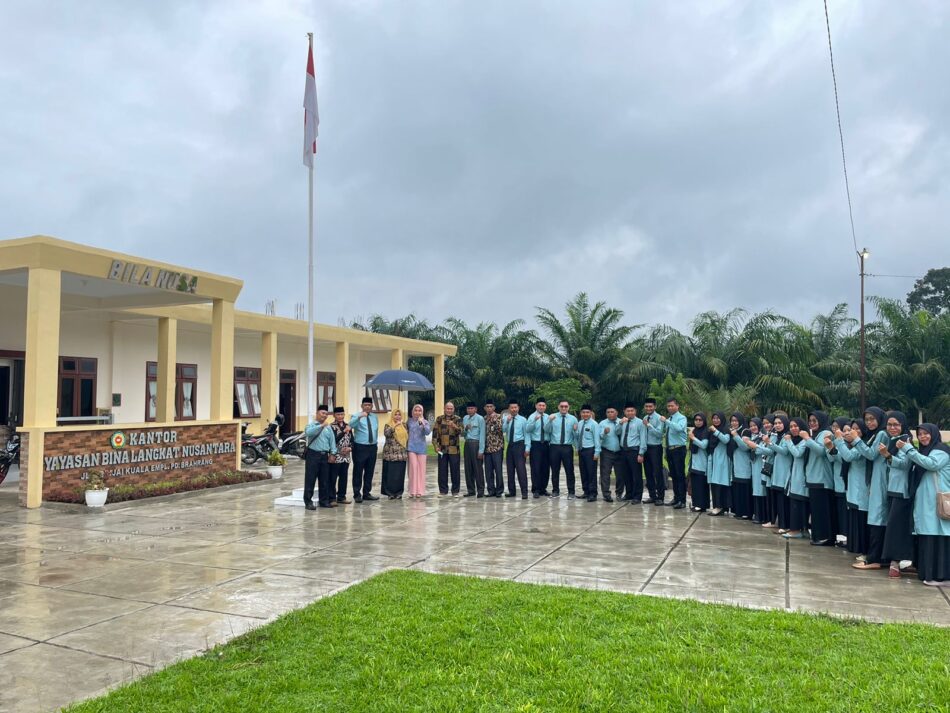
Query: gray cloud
[[479, 159]]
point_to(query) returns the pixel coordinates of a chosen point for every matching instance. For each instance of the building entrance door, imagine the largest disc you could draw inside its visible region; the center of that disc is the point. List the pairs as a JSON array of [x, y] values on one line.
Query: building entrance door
[[287, 399]]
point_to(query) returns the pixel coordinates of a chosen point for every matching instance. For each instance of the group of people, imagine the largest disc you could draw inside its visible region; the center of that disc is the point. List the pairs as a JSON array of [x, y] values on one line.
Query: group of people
[[860, 484]]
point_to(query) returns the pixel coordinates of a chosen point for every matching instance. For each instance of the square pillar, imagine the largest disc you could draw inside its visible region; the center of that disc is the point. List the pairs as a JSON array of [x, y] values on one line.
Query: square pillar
[[167, 361], [269, 379], [400, 399], [222, 360], [343, 376], [40, 380], [438, 380]]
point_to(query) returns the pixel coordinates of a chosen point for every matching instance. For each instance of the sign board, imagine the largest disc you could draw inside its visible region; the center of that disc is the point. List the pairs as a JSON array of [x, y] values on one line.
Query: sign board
[[136, 456], [149, 276]]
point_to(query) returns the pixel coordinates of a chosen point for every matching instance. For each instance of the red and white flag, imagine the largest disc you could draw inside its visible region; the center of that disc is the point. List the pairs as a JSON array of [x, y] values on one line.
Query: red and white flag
[[311, 118]]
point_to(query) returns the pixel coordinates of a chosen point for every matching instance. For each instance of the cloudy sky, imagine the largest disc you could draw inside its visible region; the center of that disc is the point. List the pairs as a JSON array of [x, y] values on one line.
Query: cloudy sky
[[478, 159]]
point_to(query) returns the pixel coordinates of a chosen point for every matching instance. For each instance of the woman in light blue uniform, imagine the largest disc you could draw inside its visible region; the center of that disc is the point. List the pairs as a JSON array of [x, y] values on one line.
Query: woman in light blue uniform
[[741, 468], [839, 474], [698, 460], [857, 489], [720, 465], [781, 472], [797, 488], [757, 460], [819, 480], [931, 475], [876, 477], [899, 535]]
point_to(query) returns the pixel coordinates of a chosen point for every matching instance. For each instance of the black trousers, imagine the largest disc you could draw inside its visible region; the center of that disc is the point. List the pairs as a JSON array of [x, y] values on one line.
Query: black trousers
[[653, 467], [720, 496], [700, 488], [449, 462], [561, 455], [316, 473], [588, 467], [760, 508], [676, 460], [780, 508], [474, 471], [632, 471], [364, 463], [339, 475], [821, 502], [876, 544], [540, 466], [609, 460], [899, 537], [514, 460], [394, 477], [841, 514], [742, 498], [798, 513], [494, 478]]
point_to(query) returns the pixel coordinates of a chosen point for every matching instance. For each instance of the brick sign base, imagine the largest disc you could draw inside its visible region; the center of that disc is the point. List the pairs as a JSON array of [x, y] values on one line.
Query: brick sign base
[[134, 456]]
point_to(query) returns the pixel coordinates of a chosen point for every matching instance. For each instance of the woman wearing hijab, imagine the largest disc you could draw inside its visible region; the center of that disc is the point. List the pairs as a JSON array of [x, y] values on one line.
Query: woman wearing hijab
[[698, 460], [797, 487], [819, 479], [395, 455], [781, 472], [839, 474], [720, 465], [419, 428], [931, 475], [741, 456], [752, 441], [876, 478], [857, 489], [898, 537]]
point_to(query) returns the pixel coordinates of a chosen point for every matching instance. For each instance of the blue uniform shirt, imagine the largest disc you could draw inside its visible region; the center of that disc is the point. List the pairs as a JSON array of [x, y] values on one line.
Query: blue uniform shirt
[[535, 427], [320, 438], [610, 441], [520, 432], [588, 435], [633, 435], [562, 423], [654, 429], [361, 434], [675, 428], [474, 427]]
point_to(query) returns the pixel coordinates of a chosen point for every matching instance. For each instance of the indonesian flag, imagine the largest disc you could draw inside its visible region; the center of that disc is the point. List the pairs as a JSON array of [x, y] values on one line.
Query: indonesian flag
[[311, 118]]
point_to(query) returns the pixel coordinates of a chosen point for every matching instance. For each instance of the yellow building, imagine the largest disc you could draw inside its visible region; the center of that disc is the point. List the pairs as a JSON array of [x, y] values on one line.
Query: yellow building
[[89, 336]]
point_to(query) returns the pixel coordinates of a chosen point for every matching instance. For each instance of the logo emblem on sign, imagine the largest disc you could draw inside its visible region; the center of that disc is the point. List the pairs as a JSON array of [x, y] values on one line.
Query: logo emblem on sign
[[117, 440]]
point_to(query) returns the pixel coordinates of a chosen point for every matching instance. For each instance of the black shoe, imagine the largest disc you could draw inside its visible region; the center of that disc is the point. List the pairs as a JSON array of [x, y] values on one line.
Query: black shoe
[[679, 506], [497, 495], [546, 494], [469, 495], [555, 493], [571, 496], [592, 498], [326, 505], [480, 495], [358, 498], [535, 496], [658, 503], [310, 506], [370, 496], [508, 495], [525, 497], [343, 501], [648, 501], [608, 499], [670, 503]]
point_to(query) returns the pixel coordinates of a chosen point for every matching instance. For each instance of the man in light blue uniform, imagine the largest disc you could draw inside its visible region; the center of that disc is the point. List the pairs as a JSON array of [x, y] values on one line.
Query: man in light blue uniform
[[473, 425], [633, 446], [560, 430], [588, 451], [609, 451], [321, 444], [674, 430], [538, 449], [365, 427], [653, 463], [515, 427]]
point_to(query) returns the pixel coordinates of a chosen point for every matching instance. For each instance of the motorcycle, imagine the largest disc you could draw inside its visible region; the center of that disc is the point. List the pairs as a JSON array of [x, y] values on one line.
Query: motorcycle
[[254, 448], [9, 455], [294, 444]]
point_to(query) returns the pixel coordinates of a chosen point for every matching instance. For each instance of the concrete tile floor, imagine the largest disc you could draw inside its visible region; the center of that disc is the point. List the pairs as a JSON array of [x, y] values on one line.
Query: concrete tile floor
[[88, 601]]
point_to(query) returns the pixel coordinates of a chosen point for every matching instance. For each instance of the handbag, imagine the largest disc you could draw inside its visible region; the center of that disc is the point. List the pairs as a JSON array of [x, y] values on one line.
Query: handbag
[[943, 503], [767, 468]]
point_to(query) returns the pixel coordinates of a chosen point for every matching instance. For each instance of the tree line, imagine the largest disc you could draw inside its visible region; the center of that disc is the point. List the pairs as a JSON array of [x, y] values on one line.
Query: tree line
[[727, 361]]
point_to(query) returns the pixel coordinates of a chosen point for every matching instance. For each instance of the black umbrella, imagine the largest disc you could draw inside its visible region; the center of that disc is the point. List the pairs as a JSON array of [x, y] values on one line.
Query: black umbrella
[[399, 380]]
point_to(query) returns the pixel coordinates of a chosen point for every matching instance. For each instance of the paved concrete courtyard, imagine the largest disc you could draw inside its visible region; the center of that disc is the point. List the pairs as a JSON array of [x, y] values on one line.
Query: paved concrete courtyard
[[90, 600]]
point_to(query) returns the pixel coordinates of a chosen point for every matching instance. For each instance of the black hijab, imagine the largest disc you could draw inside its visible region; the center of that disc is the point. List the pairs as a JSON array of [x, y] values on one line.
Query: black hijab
[[722, 427], [732, 446], [779, 435], [936, 444], [823, 422], [802, 426], [755, 437], [881, 417], [904, 434], [701, 433], [845, 465]]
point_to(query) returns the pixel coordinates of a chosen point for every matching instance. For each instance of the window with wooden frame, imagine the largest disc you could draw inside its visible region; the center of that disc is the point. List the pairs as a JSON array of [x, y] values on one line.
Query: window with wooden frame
[[77, 386], [326, 389], [247, 392], [186, 389], [382, 400]]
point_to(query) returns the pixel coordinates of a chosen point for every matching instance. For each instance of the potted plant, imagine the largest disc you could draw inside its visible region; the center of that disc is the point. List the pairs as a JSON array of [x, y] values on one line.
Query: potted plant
[[275, 464], [96, 490]]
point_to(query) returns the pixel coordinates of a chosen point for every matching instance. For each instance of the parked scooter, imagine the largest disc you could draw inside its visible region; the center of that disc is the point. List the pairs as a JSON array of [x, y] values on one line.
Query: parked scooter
[[9, 455], [254, 448]]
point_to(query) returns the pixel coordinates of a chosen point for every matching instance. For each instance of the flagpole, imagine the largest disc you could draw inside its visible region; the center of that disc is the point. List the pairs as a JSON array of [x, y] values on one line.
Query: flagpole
[[310, 385]]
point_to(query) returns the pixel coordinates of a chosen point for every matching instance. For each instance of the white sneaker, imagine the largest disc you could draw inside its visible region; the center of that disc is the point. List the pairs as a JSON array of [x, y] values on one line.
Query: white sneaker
[[936, 583], [861, 558]]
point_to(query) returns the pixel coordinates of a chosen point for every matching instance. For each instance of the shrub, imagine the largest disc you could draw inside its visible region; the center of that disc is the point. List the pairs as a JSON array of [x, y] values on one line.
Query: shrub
[[123, 492]]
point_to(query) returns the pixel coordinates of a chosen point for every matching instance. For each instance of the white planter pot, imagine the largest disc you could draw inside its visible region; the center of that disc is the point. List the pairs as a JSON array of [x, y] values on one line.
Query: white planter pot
[[275, 471], [96, 498]]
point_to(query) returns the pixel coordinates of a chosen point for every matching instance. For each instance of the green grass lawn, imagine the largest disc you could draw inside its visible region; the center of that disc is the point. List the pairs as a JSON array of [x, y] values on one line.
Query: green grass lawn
[[410, 641]]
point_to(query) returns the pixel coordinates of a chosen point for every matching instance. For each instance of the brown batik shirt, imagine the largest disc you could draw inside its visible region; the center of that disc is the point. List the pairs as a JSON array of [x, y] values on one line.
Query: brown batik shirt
[[445, 434], [494, 435]]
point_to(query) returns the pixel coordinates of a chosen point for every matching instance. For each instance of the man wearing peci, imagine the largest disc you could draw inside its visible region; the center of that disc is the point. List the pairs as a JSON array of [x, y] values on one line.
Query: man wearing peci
[[340, 466], [588, 451], [494, 451], [633, 446], [537, 450], [445, 440], [365, 427], [610, 452], [515, 429], [653, 463], [321, 444], [473, 425], [674, 429], [560, 429]]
